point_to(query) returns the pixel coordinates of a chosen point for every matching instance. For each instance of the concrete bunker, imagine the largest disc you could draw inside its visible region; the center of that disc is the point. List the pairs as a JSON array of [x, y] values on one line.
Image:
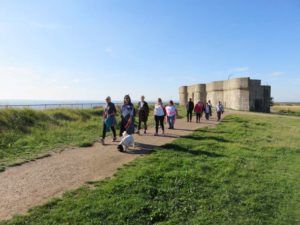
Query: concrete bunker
[[242, 94]]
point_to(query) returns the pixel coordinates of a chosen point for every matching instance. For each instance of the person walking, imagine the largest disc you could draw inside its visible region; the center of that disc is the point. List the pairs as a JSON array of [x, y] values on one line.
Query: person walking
[[210, 108], [143, 112], [198, 110], [171, 112], [159, 115], [189, 109], [207, 111], [109, 119], [220, 110], [127, 116]]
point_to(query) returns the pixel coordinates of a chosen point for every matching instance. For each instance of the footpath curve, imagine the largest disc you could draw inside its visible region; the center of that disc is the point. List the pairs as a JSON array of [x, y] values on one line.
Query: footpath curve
[[36, 182]]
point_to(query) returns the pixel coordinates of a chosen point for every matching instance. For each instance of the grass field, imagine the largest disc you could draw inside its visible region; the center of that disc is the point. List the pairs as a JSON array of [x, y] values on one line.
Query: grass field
[[245, 171], [29, 134], [290, 109]]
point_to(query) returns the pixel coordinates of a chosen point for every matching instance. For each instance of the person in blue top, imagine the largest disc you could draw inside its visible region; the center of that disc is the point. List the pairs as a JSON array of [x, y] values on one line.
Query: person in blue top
[[109, 119], [127, 116]]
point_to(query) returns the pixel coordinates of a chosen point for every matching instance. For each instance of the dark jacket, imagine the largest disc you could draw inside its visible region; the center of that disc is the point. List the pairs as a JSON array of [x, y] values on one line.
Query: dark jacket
[[143, 111], [190, 106], [127, 112]]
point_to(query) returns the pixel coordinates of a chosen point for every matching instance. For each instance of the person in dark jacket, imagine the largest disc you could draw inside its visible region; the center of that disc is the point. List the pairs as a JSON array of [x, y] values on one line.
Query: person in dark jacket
[[189, 109], [109, 119], [143, 112], [127, 116], [220, 110], [210, 108]]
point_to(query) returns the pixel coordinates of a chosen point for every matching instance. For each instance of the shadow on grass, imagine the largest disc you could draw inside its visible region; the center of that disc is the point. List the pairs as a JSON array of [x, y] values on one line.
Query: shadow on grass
[[168, 135], [199, 138], [177, 148], [213, 131], [182, 129]]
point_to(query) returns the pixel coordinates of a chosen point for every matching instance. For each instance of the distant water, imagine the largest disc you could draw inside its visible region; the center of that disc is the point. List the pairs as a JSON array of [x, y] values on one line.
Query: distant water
[[37, 102], [46, 104], [42, 104]]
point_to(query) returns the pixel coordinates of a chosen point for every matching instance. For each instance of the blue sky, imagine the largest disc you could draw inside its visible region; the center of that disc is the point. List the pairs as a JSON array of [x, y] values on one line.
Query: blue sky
[[88, 49]]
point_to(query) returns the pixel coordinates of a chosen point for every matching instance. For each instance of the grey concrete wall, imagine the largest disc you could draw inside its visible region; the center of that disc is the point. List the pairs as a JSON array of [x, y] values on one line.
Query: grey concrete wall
[[259, 99], [183, 95], [238, 93], [234, 94], [267, 98]]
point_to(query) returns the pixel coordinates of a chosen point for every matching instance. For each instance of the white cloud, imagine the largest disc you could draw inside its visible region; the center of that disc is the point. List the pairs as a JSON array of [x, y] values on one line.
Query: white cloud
[[239, 69], [277, 74]]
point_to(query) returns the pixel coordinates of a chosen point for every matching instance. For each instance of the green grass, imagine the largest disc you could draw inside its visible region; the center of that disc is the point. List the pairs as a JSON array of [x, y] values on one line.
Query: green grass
[[28, 134], [245, 171]]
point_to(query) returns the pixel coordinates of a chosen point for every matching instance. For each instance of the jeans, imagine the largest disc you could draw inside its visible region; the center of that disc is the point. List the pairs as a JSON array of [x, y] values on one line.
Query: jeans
[[189, 116], [198, 116], [159, 120], [171, 120], [219, 115], [140, 125], [207, 116]]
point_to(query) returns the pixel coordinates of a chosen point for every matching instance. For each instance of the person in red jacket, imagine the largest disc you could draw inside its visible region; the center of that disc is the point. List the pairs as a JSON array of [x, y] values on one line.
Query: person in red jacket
[[198, 110]]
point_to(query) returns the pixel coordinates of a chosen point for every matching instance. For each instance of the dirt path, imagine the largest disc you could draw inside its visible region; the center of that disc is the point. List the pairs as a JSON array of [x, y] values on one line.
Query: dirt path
[[36, 182]]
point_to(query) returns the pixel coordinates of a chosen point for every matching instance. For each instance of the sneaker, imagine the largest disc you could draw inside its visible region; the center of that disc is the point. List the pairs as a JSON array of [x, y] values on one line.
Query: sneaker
[[145, 132], [114, 139]]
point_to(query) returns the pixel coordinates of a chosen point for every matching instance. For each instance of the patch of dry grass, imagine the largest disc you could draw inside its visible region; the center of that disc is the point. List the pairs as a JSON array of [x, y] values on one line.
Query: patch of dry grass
[[292, 109]]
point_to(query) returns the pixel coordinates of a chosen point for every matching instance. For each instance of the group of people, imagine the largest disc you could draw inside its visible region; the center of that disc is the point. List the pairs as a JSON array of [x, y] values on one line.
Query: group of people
[[128, 113], [161, 112], [201, 108]]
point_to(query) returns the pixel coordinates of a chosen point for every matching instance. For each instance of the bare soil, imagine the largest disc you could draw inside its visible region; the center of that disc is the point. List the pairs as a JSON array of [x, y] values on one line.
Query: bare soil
[[35, 183]]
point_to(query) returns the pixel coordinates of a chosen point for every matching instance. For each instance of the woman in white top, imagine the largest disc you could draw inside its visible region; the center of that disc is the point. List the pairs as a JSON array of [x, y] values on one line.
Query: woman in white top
[[159, 115], [171, 114]]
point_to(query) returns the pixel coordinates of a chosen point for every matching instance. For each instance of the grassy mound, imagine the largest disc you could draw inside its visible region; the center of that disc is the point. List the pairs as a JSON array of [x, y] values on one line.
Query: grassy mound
[[26, 134], [246, 171]]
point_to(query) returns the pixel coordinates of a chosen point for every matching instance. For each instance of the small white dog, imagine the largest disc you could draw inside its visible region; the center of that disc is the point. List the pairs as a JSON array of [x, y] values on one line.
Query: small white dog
[[127, 140]]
